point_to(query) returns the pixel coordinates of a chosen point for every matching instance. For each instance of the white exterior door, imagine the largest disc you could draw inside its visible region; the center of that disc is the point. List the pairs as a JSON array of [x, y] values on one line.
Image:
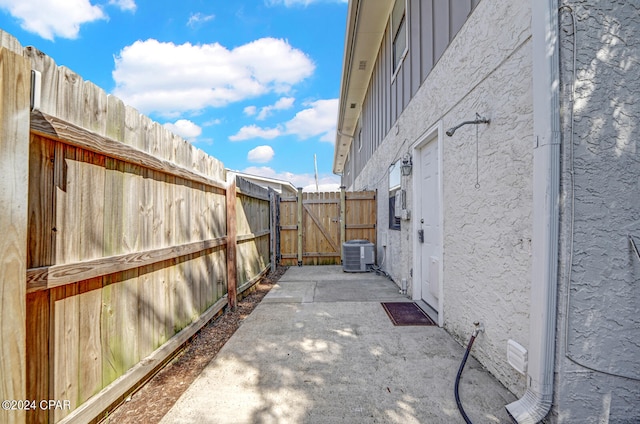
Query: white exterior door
[[428, 223]]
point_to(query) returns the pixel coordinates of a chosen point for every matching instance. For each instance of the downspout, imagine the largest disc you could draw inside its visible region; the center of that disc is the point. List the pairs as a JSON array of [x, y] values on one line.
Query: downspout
[[538, 398]]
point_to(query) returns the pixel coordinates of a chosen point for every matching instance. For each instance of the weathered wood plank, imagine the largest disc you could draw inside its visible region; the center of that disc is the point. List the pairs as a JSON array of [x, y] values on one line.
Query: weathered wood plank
[[252, 236], [38, 326], [321, 201], [343, 221], [360, 226], [68, 133], [133, 135], [119, 321], [231, 245], [92, 203], [94, 108], [49, 79], [41, 192], [69, 96], [58, 275], [299, 220], [146, 310], [90, 340], [360, 195], [67, 180], [10, 43], [66, 346], [115, 121], [113, 231], [118, 390], [15, 77], [132, 208]]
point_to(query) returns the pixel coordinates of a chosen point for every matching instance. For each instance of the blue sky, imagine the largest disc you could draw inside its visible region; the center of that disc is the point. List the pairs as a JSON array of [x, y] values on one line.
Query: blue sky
[[254, 83]]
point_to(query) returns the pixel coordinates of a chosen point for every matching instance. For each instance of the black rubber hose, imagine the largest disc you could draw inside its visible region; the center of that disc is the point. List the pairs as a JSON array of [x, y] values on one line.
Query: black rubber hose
[[464, 361]]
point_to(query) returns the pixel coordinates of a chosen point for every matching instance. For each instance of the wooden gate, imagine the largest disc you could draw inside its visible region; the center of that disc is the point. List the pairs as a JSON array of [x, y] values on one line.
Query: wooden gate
[[313, 226]]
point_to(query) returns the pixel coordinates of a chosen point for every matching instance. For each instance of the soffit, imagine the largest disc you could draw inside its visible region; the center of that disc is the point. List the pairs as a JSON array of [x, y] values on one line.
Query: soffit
[[366, 25]]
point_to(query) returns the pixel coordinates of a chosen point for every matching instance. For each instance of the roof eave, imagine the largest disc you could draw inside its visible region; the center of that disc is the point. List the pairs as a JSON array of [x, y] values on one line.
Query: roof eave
[[365, 29]]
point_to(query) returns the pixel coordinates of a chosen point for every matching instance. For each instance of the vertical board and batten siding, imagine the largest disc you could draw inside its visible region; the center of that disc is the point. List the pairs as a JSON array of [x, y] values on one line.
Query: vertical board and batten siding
[[432, 24], [126, 244]]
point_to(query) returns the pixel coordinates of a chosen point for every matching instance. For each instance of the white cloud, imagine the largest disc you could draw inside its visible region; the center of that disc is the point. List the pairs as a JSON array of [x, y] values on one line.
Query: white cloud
[[319, 119], [261, 154], [282, 104], [306, 181], [127, 5], [169, 79], [198, 18], [254, 131], [212, 122], [185, 129], [250, 110], [50, 19]]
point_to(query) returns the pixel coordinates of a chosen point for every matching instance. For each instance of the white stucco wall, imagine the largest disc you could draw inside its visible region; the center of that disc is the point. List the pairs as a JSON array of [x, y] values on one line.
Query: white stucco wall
[[598, 347], [486, 231]]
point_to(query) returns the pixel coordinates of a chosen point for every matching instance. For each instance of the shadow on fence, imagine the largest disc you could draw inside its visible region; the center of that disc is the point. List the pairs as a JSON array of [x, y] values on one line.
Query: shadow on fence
[[122, 247]]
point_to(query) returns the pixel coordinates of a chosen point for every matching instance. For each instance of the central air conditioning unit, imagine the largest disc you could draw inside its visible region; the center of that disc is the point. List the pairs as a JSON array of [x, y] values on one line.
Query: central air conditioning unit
[[357, 256]]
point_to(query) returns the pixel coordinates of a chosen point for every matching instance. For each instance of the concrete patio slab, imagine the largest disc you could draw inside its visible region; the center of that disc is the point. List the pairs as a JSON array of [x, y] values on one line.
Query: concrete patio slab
[[332, 355]]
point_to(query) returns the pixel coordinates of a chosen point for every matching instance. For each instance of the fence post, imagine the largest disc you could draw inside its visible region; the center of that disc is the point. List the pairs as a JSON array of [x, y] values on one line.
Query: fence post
[[15, 92], [343, 219], [299, 226], [232, 280]]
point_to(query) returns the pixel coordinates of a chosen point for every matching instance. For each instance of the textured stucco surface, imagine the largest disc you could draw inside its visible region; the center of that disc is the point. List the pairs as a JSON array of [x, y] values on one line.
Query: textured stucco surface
[[486, 231], [598, 349]]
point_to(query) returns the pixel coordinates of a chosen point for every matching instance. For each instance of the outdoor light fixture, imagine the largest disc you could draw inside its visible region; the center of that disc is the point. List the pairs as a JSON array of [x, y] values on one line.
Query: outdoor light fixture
[[405, 169]]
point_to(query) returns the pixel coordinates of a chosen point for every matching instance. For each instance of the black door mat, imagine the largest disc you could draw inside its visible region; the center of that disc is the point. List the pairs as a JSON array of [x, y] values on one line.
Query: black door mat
[[406, 313]]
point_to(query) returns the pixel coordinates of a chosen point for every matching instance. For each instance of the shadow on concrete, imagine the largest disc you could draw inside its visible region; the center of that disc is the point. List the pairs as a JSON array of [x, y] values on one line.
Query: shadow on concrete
[[321, 349]]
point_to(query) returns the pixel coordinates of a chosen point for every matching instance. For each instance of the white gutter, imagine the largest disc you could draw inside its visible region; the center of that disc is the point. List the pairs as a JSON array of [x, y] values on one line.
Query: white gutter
[[347, 61], [537, 400]]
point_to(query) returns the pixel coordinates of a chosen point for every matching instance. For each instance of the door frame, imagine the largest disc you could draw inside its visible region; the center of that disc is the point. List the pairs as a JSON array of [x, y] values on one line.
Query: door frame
[[432, 135]]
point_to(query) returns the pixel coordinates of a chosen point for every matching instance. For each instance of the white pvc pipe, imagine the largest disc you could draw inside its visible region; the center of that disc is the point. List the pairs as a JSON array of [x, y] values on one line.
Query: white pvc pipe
[[537, 401]]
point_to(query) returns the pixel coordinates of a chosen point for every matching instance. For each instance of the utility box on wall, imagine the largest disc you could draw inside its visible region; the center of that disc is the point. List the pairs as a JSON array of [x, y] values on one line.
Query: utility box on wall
[[358, 256]]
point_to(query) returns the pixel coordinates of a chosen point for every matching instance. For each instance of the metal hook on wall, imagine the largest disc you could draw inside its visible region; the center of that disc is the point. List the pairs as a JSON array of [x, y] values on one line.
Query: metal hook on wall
[[478, 120]]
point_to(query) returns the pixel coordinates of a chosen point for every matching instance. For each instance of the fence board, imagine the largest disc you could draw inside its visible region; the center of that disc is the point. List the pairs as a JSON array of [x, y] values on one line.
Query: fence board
[[92, 202], [89, 339], [66, 341], [41, 216], [14, 174], [37, 344]]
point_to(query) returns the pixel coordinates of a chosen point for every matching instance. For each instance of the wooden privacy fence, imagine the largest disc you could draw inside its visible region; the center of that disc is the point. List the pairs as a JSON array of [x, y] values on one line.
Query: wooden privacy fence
[[120, 240], [313, 226]]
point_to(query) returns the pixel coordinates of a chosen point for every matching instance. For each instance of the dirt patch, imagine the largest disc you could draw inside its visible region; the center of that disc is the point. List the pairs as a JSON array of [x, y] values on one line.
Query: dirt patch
[[153, 400]]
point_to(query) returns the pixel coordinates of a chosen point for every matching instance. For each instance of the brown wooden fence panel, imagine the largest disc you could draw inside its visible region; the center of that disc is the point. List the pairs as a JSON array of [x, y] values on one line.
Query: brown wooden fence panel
[[321, 225], [288, 228], [360, 216], [126, 243], [254, 230]]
